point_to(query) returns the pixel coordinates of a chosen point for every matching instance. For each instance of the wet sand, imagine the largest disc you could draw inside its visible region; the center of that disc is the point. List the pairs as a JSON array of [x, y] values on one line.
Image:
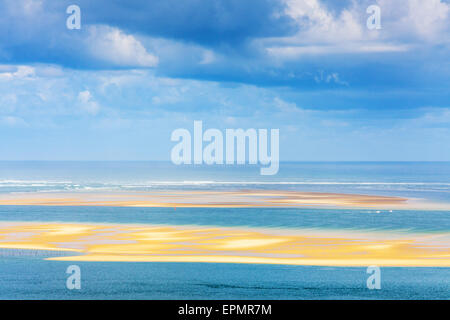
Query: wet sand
[[147, 243], [224, 199]]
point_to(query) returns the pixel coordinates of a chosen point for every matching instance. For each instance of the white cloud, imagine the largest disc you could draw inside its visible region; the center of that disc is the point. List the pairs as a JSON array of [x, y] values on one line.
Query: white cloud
[[293, 52], [87, 103], [318, 24], [430, 17], [405, 25], [9, 72], [427, 20], [286, 107], [323, 77], [114, 46]]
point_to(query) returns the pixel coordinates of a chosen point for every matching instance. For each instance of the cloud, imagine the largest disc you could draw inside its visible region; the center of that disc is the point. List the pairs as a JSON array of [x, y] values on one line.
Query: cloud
[[112, 45], [211, 23], [319, 125], [87, 103], [317, 24], [405, 24], [266, 43], [9, 72], [293, 52], [286, 107], [329, 78], [33, 31], [424, 20]]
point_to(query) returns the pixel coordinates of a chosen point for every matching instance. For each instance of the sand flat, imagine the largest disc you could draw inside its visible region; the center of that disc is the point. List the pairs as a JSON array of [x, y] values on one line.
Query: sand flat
[[225, 199], [148, 243]]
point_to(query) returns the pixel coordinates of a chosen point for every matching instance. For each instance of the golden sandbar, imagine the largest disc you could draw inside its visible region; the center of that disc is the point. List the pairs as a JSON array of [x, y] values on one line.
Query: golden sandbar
[[150, 243]]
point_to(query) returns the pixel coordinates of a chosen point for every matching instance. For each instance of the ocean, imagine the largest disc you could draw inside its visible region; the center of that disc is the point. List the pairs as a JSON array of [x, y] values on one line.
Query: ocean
[[24, 274], [426, 180]]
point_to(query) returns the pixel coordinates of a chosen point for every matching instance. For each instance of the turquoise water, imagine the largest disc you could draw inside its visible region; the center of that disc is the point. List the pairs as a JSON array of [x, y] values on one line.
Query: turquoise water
[[34, 278], [24, 274], [290, 218]]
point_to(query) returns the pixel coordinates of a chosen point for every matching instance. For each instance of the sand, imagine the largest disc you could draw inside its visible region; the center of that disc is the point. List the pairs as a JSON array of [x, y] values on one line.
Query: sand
[[147, 243], [226, 199]]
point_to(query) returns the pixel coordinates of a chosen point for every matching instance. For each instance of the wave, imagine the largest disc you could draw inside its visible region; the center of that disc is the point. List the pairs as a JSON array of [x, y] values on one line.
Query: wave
[[286, 183], [39, 183]]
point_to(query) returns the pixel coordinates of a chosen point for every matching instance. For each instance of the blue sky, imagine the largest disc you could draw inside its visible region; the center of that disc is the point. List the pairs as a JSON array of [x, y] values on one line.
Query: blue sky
[[118, 87]]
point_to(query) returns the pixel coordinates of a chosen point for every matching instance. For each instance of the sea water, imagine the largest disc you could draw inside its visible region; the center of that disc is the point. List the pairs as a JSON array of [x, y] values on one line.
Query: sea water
[[25, 274]]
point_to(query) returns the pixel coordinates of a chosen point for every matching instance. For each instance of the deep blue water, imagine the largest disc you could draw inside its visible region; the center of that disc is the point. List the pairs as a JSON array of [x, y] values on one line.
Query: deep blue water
[[34, 278]]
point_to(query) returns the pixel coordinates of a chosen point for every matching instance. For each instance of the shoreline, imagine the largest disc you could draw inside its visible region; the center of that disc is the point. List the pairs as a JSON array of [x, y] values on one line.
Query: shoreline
[[215, 199], [220, 199], [170, 243]]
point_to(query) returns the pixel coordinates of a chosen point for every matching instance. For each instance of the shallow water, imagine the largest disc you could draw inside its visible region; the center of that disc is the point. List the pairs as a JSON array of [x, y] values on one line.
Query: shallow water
[[24, 274], [291, 218], [425, 180]]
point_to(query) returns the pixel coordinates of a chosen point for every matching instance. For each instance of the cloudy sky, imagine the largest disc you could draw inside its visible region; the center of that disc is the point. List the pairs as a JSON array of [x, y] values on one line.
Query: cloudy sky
[[137, 70]]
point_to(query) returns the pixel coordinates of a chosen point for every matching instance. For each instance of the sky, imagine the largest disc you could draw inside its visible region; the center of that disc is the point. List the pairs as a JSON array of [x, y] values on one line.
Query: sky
[[135, 71]]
